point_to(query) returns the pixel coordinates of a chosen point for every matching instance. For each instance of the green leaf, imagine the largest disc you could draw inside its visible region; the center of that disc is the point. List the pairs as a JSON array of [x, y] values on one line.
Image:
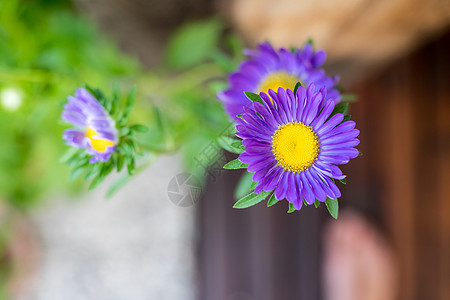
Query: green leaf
[[346, 118], [272, 200], [129, 104], [251, 200], [76, 172], [124, 131], [119, 183], [297, 85], [76, 158], [92, 172], [243, 186], [291, 207], [96, 182], [235, 44], [230, 144], [107, 168], [223, 61], [193, 43], [120, 161], [253, 97], [343, 181], [131, 165], [333, 207], [71, 152], [341, 108], [235, 164], [115, 98], [316, 203], [139, 128]]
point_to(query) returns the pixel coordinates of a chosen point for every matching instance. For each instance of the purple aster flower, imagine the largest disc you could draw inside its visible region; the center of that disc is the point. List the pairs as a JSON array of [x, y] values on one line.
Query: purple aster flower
[[269, 69], [96, 130], [293, 145]]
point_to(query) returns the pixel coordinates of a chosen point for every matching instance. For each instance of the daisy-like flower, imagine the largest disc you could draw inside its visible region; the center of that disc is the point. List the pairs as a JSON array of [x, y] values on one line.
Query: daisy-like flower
[[293, 145], [267, 69], [96, 130]]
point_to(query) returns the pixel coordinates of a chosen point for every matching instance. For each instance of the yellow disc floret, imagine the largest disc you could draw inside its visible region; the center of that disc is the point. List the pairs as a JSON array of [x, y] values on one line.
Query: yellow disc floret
[[276, 80], [295, 146], [98, 144]]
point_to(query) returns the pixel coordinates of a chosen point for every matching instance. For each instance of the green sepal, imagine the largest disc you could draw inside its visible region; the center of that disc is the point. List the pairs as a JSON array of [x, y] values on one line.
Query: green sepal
[[343, 181], [346, 118], [341, 108], [333, 207], [250, 200], [253, 97], [235, 164], [272, 201], [360, 153], [316, 203], [291, 208], [297, 85]]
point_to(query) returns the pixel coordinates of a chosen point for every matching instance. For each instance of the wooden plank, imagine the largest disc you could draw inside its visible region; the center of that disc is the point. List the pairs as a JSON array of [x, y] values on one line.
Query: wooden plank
[[442, 49]]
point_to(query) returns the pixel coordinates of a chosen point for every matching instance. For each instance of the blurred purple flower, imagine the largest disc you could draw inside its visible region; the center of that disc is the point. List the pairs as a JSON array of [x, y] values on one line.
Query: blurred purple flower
[[267, 69], [96, 130]]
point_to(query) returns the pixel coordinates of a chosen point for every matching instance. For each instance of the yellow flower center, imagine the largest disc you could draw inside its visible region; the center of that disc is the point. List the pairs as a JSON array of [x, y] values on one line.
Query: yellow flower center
[[295, 146], [98, 144], [278, 79]]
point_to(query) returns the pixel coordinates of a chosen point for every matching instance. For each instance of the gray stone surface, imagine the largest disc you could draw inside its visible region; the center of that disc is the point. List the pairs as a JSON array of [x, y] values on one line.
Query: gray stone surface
[[137, 245]]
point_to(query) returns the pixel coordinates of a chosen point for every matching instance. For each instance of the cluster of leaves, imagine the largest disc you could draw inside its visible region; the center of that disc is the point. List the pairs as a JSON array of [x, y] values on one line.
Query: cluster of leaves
[[40, 43], [199, 56], [245, 189], [127, 148]]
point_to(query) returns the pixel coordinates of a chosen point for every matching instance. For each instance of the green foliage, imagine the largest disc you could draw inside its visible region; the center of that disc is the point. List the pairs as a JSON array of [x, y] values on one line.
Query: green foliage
[[317, 203], [231, 144], [291, 208], [333, 207], [192, 43], [272, 201], [253, 97], [46, 50], [235, 164], [251, 199], [340, 108], [297, 85]]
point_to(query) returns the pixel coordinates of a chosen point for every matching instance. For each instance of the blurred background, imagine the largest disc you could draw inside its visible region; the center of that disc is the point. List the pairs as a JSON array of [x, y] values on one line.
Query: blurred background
[[57, 241]]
